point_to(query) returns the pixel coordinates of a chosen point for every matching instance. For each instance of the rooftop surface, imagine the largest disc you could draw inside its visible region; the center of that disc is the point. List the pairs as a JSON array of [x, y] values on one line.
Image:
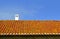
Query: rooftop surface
[[29, 27]]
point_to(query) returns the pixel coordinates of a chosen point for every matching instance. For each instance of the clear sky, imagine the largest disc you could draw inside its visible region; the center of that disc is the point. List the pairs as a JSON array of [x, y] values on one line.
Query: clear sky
[[30, 9]]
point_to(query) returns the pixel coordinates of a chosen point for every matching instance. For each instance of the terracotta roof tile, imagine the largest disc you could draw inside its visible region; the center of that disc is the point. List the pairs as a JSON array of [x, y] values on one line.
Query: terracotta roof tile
[[29, 27]]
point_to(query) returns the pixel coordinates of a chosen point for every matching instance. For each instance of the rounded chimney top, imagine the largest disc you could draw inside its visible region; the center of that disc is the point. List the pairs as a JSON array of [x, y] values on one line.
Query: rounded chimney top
[[16, 16]]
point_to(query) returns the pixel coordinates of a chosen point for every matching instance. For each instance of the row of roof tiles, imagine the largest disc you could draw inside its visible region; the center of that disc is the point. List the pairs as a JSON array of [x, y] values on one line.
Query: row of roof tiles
[[29, 26]]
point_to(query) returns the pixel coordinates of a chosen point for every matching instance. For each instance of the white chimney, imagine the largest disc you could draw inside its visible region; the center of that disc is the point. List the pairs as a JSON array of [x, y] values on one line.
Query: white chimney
[[17, 17]]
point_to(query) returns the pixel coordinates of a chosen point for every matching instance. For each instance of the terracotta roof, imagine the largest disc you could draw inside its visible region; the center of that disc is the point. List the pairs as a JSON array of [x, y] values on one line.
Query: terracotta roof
[[29, 27]]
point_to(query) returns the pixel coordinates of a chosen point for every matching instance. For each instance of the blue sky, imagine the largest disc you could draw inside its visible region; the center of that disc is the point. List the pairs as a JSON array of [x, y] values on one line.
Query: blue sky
[[30, 9]]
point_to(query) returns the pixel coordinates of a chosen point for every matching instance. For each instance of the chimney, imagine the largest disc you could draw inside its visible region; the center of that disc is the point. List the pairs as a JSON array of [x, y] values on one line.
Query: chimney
[[17, 17]]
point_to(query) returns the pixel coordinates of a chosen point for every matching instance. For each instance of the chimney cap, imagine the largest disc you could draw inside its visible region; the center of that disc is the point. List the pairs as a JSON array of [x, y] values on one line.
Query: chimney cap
[[16, 16]]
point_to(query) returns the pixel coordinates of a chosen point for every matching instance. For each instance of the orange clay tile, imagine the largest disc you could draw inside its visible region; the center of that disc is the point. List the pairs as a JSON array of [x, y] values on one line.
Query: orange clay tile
[[29, 27]]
